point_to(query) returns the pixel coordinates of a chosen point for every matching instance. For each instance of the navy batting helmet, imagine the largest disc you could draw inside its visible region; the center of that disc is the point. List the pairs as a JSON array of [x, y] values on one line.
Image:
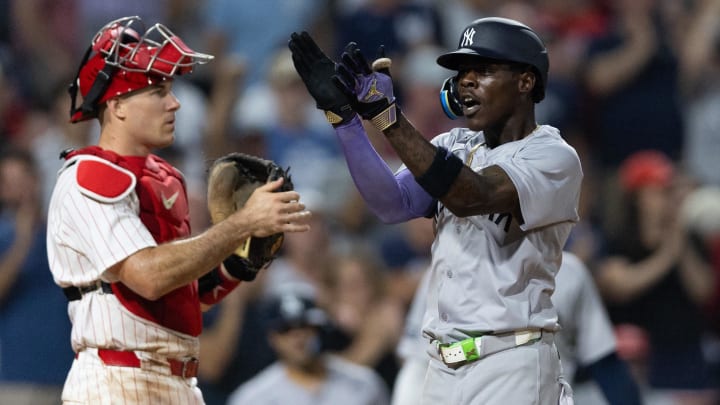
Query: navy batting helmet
[[501, 39], [292, 310]]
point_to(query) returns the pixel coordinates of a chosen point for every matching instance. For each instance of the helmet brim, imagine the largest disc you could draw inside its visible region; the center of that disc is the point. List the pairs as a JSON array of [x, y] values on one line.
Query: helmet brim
[[464, 56]]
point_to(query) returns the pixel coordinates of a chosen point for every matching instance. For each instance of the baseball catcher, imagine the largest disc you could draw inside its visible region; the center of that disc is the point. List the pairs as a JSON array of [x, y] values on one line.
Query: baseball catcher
[[119, 234], [232, 179]]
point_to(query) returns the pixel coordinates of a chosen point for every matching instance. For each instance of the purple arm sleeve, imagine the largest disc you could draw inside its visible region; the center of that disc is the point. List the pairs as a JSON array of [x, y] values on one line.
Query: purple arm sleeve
[[392, 198]]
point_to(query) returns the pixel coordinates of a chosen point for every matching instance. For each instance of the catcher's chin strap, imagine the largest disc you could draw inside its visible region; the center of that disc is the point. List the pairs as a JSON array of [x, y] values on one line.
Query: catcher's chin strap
[[100, 85]]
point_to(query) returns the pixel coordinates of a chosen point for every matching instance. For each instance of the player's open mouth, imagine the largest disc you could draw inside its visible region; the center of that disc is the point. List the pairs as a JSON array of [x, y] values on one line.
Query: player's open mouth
[[470, 106]]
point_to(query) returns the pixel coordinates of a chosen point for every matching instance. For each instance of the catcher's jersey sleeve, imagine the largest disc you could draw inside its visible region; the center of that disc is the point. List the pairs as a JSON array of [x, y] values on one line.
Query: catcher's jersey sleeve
[[88, 234]]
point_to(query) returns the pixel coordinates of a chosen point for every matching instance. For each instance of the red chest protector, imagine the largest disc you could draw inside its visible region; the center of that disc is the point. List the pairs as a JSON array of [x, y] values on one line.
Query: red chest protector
[[164, 211]]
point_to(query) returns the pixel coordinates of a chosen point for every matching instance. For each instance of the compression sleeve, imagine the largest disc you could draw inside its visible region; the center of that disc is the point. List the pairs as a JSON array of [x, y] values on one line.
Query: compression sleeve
[[391, 197], [614, 379]]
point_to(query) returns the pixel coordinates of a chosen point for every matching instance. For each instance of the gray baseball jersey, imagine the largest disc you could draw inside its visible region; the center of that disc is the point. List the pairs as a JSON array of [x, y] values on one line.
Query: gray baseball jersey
[[490, 273], [346, 383], [587, 334]]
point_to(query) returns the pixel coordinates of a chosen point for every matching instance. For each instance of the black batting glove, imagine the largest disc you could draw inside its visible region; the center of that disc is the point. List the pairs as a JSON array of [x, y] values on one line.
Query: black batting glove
[[316, 71]]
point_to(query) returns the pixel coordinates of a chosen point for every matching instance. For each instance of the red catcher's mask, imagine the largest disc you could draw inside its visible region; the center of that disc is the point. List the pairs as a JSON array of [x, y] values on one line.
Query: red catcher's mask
[[125, 57]]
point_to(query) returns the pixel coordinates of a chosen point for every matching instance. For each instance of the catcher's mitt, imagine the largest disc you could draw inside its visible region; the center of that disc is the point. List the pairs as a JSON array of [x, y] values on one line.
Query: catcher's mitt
[[231, 180]]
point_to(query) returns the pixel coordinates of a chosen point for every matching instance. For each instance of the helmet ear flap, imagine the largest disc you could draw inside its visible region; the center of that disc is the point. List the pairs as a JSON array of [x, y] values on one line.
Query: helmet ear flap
[[450, 98]]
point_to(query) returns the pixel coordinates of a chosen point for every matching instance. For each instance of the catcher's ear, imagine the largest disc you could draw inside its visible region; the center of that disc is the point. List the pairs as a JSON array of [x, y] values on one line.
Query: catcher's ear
[[450, 98]]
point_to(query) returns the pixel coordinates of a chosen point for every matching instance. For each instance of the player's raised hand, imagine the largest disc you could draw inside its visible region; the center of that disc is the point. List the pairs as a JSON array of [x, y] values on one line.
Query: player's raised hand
[[369, 89], [316, 71]]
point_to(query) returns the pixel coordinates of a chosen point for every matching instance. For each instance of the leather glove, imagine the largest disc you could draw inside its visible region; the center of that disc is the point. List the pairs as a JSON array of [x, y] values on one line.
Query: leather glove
[[231, 180]]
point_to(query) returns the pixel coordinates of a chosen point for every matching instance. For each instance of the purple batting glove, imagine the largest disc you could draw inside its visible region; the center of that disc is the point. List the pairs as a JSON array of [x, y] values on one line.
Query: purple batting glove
[[370, 89]]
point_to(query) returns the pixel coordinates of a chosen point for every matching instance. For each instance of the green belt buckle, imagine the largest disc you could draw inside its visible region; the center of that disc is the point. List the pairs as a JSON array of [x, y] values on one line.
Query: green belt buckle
[[469, 348]]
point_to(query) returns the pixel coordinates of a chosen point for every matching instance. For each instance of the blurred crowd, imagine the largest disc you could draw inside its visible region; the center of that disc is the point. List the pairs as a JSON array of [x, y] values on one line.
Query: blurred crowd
[[634, 86]]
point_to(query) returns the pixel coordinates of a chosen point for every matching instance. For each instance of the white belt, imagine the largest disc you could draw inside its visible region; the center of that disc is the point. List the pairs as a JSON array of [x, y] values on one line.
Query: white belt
[[471, 349]]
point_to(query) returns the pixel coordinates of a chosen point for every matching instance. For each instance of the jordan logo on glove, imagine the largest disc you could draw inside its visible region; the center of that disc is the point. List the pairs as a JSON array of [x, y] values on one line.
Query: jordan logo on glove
[[373, 91]]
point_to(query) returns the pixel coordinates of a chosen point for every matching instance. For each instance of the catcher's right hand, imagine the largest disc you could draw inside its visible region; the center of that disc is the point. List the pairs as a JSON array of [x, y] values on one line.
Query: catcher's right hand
[[232, 180]]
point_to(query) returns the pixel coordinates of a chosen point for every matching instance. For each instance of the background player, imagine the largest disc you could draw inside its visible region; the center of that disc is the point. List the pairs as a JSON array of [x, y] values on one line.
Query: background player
[[118, 228], [504, 193], [305, 374]]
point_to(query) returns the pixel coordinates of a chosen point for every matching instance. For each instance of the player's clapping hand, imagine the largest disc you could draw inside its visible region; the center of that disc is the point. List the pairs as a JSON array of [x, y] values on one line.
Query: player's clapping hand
[[316, 71], [370, 89]]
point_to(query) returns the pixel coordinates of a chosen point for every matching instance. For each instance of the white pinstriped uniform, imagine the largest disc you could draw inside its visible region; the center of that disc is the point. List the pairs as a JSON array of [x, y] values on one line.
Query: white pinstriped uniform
[[85, 237]]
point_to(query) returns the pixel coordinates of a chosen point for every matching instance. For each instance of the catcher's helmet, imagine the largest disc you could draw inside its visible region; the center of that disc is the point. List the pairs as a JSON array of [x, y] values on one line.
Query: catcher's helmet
[[125, 57], [501, 39]]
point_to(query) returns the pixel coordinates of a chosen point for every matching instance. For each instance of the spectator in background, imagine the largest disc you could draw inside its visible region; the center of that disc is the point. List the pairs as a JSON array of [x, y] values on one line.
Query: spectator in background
[[586, 343], [656, 278], [568, 27], [398, 25], [293, 139], [632, 72], [252, 30], [234, 343], [406, 253], [701, 214], [459, 13], [305, 374], [52, 134], [33, 362], [368, 319], [14, 104], [700, 81], [45, 42], [421, 78]]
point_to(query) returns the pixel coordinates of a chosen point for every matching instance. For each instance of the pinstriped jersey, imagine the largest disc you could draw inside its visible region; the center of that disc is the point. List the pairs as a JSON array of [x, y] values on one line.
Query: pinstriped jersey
[[489, 273], [88, 234]]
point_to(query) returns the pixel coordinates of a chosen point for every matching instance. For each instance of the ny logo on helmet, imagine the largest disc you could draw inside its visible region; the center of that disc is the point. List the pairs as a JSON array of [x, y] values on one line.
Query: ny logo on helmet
[[467, 39]]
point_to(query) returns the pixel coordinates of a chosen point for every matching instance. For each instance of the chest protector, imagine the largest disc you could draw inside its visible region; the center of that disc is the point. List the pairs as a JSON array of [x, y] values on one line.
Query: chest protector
[[164, 211]]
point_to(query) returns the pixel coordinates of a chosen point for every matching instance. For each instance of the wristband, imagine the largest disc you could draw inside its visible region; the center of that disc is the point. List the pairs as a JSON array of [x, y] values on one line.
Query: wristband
[[386, 118], [441, 174]]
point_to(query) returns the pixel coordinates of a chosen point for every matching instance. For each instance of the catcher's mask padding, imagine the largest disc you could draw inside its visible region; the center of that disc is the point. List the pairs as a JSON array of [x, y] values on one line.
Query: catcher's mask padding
[[501, 39]]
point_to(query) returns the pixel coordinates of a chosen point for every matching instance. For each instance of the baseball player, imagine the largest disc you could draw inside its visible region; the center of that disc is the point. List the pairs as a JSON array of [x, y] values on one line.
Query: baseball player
[[503, 191], [587, 339], [305, 373], [118, 228]]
